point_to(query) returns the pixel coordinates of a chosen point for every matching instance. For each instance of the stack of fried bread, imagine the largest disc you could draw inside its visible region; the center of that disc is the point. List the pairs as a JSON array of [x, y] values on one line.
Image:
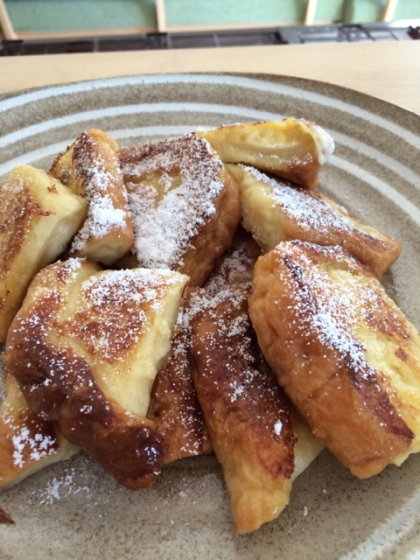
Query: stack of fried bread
[[262, 341]]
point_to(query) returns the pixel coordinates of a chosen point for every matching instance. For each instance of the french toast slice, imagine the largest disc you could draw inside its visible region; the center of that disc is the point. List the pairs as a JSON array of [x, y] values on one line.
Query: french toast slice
[[85, 349], [256, 437], [174, 400], [28, 443], [174, 404], [343, 351], [90, 168], [274, 211], [184, 204], [294, 149], [38, 218]]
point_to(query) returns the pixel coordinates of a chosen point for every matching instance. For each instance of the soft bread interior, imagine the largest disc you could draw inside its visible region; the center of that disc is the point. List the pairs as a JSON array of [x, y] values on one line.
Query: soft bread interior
[[291, 148], [39, 218], [259, 215], [155, 297], [307, 446], [275, 211]]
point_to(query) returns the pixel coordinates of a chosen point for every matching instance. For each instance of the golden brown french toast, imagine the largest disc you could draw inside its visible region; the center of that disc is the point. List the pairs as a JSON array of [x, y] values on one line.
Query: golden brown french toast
[[184, 204], [251, 421], [294, 149], [174, 404], [174, 399], [90, 168], [236, 265], [28, 443], [38, 218], [85, 349], [274, 211], [342, 350]]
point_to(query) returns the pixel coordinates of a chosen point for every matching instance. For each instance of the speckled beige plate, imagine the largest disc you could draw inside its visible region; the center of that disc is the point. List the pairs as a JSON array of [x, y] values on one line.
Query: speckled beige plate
[[75, 510]]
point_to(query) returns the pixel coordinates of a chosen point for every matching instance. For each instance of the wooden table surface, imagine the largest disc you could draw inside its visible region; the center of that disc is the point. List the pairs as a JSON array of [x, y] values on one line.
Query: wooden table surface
[[388, 70]]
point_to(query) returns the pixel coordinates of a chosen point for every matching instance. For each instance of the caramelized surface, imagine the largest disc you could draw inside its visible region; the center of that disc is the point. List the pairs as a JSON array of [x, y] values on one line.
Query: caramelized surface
[[38, 217], [185, 206], [248, 416], [28, 443], [294, 149], [174, 404], [90, 168], [86, 347], [174, 400], [275, 211], [320, 318]]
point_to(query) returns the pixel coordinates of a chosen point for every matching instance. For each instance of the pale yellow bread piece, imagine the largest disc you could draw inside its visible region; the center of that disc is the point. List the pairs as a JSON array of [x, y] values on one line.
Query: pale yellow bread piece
[[38, 218], [86, 347], [184, 204], [258, 439], [90, 168], [294, 149], [28, 443], [343, 351], [274, 210]]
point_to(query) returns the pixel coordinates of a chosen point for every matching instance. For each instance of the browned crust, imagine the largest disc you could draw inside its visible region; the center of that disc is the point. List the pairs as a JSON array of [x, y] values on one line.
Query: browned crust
[[60, 386], [347, 404], [314, 218], [240, 398], [236, 265], [5, 518], [378, 253], [22, 420], [92, 152], [13, 222], [216, 235], [174, 405], [303, 171]]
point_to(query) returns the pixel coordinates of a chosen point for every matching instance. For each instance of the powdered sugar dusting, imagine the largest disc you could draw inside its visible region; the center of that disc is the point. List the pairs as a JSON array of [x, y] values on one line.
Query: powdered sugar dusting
[[129, 287], [331, 311], [309, 209], [104, 190], [118, 307], [102, 218], [236, 266], [165, 219], [278, 427], [58, 488], [35, 446]]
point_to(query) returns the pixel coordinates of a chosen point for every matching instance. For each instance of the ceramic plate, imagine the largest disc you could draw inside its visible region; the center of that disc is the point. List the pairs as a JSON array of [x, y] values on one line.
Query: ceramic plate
[[74, 510]]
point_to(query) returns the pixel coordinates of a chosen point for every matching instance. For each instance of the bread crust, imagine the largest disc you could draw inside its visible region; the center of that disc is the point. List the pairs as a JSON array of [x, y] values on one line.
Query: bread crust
[[185, 205], [39, 217], [28, 442], [175, 407], [61, 385], [248, 416], [306, 326], [90, 168], [294, 149], [275, 211]]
